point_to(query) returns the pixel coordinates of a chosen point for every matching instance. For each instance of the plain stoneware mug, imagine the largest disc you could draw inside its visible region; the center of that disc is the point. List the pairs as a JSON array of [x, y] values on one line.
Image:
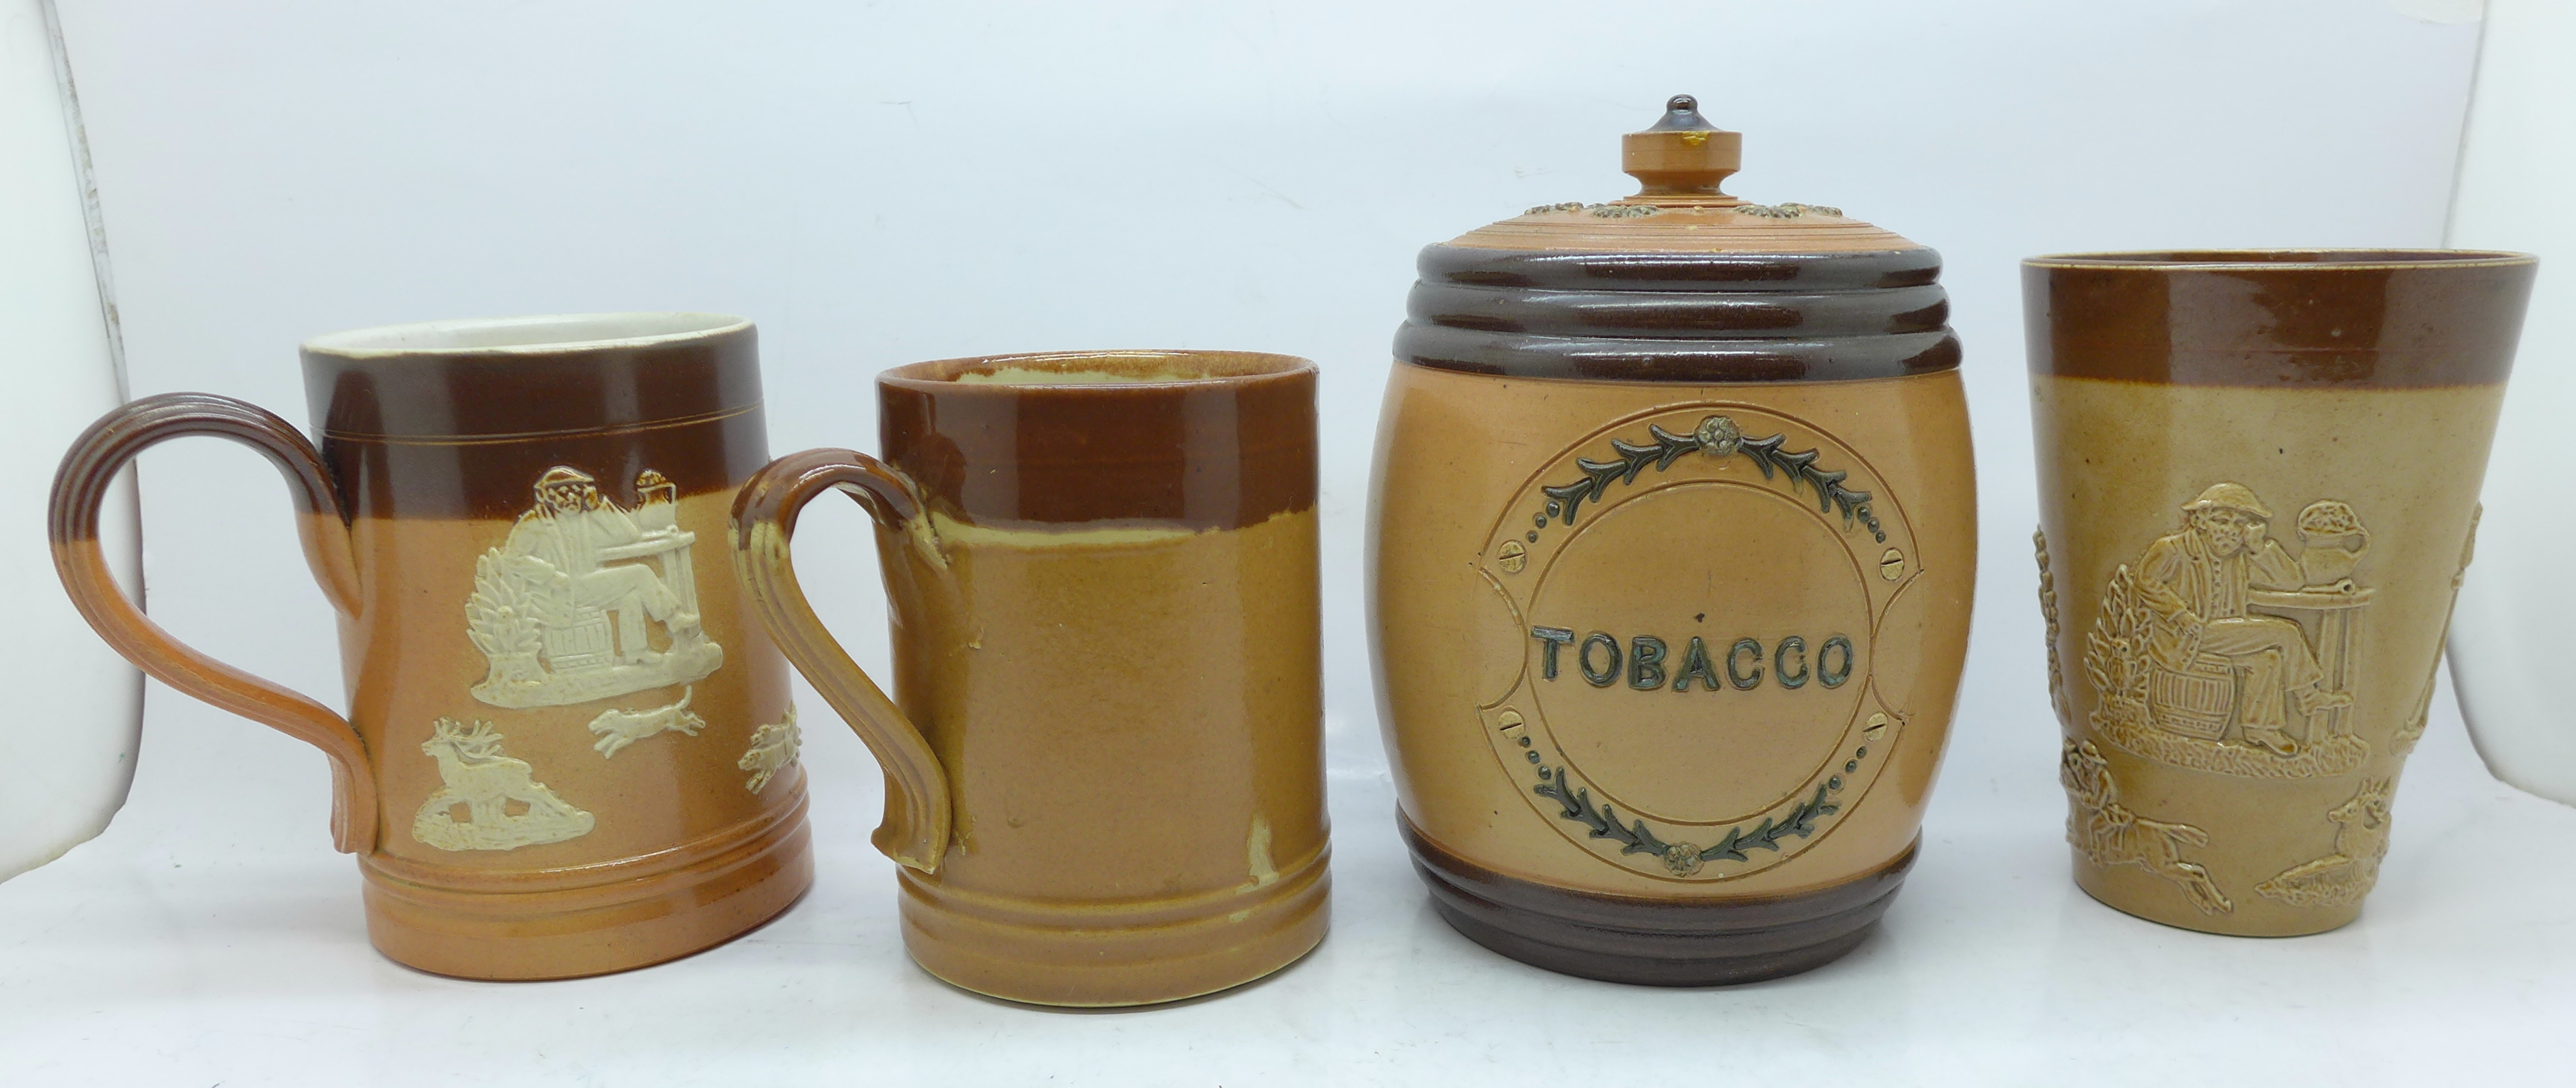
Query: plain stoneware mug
[[2258, 491], [568, 751], [1104, 773]]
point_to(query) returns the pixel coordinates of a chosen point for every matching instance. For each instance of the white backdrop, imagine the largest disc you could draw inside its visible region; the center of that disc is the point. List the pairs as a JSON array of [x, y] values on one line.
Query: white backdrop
[[882, 184], [885, 183]]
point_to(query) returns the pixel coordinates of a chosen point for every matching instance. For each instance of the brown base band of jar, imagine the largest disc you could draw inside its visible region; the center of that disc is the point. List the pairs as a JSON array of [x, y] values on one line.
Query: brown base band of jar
[[1618, 938]]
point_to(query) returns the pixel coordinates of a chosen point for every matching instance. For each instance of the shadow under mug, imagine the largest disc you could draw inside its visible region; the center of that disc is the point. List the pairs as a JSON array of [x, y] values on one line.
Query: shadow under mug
[[568, 752], [1104, 779]]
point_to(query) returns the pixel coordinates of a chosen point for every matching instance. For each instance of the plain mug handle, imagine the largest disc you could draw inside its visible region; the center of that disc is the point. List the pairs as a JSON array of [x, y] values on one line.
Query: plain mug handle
[[81, 484], [917, 813]]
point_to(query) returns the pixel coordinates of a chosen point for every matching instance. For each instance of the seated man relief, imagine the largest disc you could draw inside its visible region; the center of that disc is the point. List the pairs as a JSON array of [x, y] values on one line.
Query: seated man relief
[[567, 608]]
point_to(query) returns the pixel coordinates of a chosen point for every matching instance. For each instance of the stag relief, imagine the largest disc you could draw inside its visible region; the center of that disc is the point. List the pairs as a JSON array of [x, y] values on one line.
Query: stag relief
[[2361, 840], [486, 800]]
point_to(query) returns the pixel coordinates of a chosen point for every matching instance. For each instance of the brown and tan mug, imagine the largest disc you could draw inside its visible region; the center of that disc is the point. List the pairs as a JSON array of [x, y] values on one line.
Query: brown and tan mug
[[2258, 484], [1103, 763], [567, 751]]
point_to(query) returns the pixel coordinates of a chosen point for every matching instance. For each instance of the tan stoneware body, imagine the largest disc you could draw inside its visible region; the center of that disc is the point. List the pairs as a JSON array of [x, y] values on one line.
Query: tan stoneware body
[[568, 750], [2258, 480], [1104, 754], [1673, 545]]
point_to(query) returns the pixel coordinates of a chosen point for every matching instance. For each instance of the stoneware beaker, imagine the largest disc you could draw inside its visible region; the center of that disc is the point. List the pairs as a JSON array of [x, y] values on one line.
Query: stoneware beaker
[[2258, 484]]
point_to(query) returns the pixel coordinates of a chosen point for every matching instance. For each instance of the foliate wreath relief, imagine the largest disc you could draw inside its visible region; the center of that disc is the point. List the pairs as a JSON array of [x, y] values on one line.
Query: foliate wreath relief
[[1582, 809]]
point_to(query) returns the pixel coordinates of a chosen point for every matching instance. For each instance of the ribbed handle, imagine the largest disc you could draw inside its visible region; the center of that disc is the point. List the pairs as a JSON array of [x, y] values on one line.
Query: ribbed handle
[[917, 814]]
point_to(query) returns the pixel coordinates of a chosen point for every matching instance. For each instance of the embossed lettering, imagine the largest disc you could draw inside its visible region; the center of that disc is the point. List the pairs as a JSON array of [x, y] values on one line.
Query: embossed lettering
[[1646, 663], [1744, 647], [1553, 638], [1780, 662], [1602, 677], [1832, 675], [1695, 662]]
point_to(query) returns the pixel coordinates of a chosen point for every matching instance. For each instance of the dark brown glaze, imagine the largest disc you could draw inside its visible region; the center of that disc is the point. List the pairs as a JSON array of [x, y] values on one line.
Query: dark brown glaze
[[1228, 448], [495, 478], [1653, 942], [1679, 317], [447, 433], [2356, 319]]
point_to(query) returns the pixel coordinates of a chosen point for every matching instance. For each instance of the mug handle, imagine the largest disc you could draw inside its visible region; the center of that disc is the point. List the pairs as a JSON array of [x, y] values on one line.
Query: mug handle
[[80, 485], [917, 812]]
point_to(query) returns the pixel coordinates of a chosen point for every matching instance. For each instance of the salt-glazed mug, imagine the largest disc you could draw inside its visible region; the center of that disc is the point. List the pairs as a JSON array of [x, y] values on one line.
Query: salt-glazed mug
[[1104, 760], [567, 751], [2258, 483]]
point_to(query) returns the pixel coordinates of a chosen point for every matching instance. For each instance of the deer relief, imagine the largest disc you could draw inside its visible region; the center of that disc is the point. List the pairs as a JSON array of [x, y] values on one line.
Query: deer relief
[[619, 728], [2361, 839], [488, 801], [2109, 834]]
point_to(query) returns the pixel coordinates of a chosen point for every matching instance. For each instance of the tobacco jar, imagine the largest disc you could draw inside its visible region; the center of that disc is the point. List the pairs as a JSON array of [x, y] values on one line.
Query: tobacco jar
[[1672, 549]]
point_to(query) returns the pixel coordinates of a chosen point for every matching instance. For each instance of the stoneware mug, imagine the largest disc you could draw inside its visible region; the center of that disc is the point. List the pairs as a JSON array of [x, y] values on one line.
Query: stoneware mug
[[1104, 759], [2258, 477], [567, 750]]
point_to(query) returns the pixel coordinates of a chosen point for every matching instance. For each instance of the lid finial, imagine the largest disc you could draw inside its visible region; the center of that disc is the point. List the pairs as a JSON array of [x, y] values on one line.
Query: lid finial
[[1682, 159]]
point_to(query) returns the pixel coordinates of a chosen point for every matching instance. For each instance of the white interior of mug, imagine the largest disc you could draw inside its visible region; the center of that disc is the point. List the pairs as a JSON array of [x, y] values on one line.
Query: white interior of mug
[[541, 333]]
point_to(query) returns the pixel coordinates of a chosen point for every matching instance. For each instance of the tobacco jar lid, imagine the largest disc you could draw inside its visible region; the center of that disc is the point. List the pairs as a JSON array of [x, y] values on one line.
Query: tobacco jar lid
[[1681, 282]]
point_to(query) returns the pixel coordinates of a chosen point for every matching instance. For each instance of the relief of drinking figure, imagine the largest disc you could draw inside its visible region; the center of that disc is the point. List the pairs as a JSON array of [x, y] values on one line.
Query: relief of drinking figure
[[2201, 656], [565, 607], [2199, 581]]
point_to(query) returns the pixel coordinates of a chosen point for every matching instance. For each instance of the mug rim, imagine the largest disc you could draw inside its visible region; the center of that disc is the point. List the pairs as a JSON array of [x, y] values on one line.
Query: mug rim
[[940, 376], [526, 335], [2282, 259]]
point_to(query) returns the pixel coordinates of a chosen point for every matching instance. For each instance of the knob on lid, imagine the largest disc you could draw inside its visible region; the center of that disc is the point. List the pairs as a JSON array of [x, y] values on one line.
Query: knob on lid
[[1680, 162], [1682, 156]]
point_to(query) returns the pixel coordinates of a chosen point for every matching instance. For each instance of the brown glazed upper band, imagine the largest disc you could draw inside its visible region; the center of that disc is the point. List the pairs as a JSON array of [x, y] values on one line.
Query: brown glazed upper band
[[2356, 319], [460, 419], [1202, 439]]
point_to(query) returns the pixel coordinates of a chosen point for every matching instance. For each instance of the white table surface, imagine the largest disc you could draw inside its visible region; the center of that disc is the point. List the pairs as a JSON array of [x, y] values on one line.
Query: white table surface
[[212, 937]]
